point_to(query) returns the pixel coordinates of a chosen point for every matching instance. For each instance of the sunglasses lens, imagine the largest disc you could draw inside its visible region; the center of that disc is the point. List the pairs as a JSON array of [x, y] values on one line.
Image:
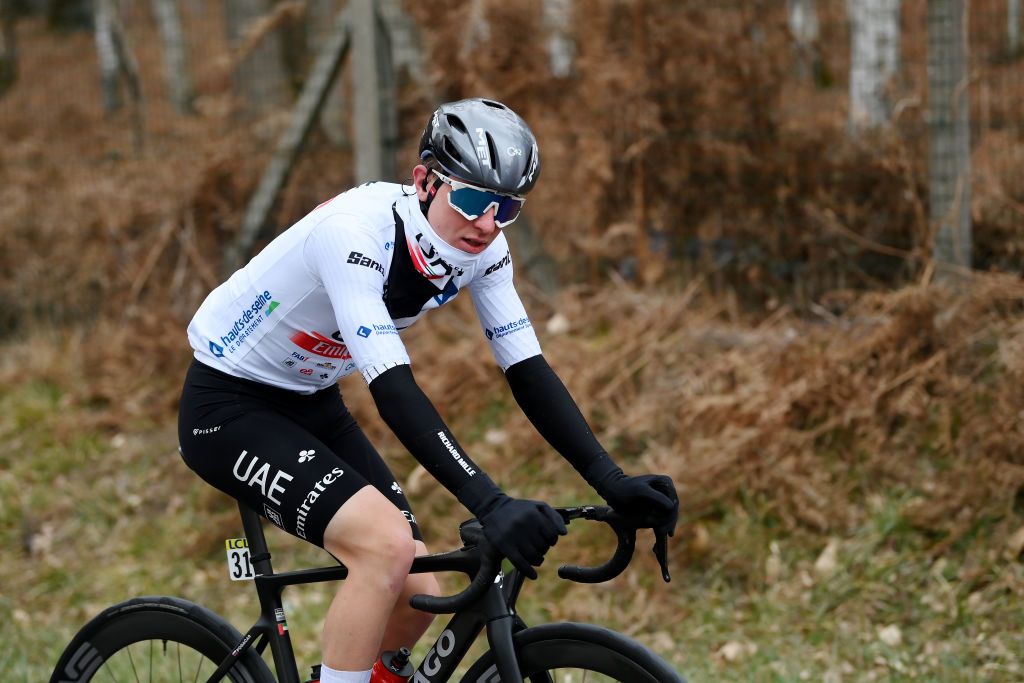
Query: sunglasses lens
[[508, 210], [471, 203]]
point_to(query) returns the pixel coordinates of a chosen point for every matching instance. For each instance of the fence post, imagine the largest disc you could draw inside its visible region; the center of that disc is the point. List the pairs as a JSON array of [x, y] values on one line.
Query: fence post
[[179, 81], [314, 92], [375, 119], [949, 153], [8, 46]]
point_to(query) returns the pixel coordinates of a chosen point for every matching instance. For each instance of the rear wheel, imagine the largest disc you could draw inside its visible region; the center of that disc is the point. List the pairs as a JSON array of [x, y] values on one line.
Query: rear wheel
[[159, 639], [578, 653]]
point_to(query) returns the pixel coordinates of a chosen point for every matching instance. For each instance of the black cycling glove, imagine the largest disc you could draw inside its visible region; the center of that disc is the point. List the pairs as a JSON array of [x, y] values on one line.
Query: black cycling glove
[[521, 530], [649, 498]]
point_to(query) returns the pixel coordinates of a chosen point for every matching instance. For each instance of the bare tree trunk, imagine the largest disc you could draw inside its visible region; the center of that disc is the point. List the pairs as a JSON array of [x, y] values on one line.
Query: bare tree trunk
[[532, 258], [805, 29], [311, 101], [117, 63], [8, 46], [561, 43], [110, 84], [260, 77], [375, 116], [478, 29], [949, 182], [874, 58], [406, 51], [1013, 26], [179, 81]]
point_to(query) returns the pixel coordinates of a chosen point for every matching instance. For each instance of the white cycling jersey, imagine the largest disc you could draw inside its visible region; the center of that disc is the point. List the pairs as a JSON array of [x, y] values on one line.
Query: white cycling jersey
[[329, 295]]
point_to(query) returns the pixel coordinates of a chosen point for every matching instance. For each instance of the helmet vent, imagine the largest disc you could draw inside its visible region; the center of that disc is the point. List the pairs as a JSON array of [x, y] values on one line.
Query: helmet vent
[[453, 152], [456, 123], [493, 150], [492, 103]]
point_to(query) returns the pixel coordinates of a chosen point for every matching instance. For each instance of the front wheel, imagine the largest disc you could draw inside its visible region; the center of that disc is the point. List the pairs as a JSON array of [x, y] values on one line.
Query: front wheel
[[159, 639], [573, 653]]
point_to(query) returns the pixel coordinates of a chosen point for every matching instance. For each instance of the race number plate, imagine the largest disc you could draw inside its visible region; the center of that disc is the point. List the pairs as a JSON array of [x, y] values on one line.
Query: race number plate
[[239, 566]]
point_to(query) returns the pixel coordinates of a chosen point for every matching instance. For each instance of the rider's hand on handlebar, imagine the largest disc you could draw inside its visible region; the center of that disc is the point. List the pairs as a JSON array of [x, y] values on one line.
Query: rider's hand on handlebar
[[522, 530], [649, 498]]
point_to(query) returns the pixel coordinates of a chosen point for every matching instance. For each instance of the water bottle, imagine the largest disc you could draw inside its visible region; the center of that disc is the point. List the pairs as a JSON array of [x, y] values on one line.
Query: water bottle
[[392, 667]]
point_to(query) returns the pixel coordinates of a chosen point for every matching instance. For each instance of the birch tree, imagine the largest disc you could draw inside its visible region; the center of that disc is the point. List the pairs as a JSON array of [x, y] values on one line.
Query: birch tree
[[557, 19], [802, 17], [260, 75], [106, 52], [874, 59], [117, 65], [1013, 26], [179, 81], [8, 46], [949, 161], [478, 29]]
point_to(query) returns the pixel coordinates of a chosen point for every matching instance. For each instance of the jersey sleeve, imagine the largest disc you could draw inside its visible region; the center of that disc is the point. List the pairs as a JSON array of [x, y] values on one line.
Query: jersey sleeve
[[348, 258], [502, 315]]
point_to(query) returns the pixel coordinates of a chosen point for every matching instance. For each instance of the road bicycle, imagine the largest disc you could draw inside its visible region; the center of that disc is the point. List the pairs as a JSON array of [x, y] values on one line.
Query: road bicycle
[[157, 639]]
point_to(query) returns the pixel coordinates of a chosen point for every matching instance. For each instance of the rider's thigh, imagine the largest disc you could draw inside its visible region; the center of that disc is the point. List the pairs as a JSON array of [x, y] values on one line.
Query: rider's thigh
[[370, 535]]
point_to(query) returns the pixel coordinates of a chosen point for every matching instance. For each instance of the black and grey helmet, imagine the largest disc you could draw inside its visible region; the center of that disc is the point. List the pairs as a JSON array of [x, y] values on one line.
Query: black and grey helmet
[[484, 143]]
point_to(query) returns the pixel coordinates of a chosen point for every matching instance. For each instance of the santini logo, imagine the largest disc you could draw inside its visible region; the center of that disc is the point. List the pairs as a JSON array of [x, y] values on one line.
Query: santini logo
[[499, 265], [358, 259]]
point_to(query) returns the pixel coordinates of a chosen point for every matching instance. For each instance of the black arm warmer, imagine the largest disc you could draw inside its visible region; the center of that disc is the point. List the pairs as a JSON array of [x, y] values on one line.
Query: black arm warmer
[[552, 410], [417, 424]]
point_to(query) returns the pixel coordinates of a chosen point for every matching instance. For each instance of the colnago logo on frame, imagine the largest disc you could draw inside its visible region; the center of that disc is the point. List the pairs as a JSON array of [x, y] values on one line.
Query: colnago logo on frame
[[432, 662]]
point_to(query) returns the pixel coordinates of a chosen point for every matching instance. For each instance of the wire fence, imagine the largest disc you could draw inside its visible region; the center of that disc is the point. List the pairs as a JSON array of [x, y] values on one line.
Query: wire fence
[[786, 146]]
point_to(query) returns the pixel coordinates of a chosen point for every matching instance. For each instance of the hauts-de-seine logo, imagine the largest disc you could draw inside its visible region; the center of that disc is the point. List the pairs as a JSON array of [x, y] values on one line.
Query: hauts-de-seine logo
[[246, 322], [499, 331], [365, 331]]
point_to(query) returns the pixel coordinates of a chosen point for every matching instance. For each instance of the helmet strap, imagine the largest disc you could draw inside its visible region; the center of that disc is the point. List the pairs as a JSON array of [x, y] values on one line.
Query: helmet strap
[[431, 193]]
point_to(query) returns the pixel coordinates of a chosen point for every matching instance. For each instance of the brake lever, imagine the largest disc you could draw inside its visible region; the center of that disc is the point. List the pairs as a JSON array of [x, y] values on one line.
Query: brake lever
[[661, 552]]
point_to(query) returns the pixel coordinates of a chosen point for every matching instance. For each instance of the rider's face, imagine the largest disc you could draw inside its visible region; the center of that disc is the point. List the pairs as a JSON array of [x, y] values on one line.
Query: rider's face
[[470, 236]]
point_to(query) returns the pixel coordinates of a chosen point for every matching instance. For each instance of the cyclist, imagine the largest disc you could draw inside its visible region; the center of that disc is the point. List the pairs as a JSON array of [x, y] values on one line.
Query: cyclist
[[262, 418]]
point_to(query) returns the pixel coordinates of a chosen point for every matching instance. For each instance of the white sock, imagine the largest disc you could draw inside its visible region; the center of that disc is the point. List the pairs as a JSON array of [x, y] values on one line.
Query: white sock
[[329, 675]]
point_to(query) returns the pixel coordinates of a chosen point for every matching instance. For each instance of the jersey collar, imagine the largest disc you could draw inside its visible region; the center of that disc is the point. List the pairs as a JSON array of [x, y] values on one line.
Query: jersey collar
[[434, 258]]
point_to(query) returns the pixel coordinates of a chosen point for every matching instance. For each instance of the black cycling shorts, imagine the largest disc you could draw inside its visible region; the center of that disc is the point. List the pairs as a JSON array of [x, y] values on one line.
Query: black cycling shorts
[[294, 458]]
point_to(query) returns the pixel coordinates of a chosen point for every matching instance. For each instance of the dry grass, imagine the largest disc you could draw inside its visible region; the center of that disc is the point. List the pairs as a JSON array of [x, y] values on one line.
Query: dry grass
[[848, 455]]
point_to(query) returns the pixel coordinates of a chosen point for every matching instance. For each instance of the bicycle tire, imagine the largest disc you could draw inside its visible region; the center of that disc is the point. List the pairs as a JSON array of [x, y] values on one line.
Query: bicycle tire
[[544, 651], [104, 646]]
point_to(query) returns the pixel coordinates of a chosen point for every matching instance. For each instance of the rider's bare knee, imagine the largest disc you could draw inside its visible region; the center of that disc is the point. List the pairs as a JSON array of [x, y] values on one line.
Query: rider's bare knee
[[373, 540]]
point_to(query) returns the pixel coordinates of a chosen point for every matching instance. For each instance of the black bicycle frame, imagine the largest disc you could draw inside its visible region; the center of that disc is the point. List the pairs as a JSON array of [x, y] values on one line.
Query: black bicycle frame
[[493, 611]]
